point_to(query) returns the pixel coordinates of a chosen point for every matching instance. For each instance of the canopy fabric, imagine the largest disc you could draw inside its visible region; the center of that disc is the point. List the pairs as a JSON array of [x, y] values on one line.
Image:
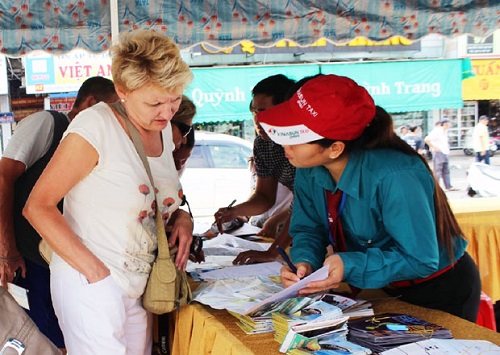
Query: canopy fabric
[[58, 26]]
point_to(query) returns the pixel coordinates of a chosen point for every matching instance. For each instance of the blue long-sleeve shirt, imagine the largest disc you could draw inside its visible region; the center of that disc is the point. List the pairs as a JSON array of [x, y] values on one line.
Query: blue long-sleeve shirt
[[388, 219]]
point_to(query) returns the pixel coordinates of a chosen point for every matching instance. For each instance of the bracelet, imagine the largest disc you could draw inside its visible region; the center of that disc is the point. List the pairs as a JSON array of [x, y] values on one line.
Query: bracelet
[[8, 260]]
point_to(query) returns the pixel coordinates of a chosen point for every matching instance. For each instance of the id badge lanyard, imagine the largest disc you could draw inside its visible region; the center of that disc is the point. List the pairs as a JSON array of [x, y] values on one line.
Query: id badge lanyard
[[339, 213]]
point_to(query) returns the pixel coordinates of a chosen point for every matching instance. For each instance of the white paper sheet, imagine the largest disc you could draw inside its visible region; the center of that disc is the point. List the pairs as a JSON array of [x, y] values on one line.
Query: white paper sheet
[[20, 295], [446, 347], [292, 291], [262, 269], [227, 244]]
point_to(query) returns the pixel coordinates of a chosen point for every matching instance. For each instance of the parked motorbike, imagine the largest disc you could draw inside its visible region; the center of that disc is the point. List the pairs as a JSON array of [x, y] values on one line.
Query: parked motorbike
[[469, 150]]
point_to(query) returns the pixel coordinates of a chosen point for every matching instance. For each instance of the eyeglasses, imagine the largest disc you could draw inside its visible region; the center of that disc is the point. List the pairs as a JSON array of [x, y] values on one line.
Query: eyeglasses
[[184, 128]]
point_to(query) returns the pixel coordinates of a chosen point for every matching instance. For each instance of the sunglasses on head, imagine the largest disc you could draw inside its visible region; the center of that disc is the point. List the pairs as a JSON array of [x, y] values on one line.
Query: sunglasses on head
[[184, 128]]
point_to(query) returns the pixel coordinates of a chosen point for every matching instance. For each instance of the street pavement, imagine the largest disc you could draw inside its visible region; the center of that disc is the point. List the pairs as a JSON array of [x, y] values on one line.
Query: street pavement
[[459, 164]]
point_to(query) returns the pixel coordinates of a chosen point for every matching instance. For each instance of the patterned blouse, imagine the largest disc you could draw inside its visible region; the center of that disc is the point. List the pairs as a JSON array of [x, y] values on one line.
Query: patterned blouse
[[270, 161]]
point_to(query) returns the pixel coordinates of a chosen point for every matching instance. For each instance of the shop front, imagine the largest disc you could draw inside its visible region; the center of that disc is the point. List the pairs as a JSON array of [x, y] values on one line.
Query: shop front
[[483, 91]]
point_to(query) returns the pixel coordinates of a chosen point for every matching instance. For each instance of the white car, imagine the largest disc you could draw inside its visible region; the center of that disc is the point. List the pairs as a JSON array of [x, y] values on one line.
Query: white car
[[217, 172]]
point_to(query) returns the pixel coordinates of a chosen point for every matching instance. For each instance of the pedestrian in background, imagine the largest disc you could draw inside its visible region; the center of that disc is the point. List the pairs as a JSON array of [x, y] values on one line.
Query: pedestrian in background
[[414, 140], [26, 156], [438, 143], [481, 140]]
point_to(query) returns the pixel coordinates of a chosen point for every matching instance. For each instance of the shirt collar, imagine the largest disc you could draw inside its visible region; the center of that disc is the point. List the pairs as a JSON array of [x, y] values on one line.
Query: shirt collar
[[349, 181]]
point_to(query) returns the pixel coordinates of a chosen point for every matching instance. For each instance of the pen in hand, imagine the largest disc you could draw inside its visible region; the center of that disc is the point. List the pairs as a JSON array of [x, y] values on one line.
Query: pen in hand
[[285, 257], [219, 223]]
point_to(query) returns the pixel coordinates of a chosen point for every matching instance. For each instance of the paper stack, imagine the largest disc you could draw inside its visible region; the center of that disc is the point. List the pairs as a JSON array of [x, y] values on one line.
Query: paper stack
[[350, 307], [254, 325], [388, 330], [315, 311], [262, 321], [308, 335]]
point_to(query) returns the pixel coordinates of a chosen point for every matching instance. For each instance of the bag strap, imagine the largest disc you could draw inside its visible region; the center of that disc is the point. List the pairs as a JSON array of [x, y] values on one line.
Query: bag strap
[[163, 249]]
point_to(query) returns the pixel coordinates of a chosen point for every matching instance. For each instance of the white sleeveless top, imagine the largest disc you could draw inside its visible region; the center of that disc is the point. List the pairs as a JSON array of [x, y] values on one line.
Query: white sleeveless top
[[111, 209]]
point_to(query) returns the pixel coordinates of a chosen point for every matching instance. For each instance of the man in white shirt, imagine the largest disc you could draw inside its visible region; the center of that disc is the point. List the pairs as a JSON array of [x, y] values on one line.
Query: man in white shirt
[[480, 140], [25, 157], [437, 140]]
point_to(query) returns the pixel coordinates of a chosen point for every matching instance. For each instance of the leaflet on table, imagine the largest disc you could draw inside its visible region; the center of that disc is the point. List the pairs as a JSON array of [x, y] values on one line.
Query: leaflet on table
[[211, 262], [247, 231], [388, 330], [226, 244], [289, 292], [350, 307], [250, 295], [307, 335], [238, 271], [236, 295], [446, 347]]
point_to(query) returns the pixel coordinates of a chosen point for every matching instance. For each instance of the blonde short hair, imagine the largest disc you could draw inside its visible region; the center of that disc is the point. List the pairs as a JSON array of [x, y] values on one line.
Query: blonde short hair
[[145, 56], [186, 111]]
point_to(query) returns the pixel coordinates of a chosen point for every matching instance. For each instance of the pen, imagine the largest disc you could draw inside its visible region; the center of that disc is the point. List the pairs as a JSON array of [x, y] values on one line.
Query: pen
[[231, 204], [218, 222], [285, 257]]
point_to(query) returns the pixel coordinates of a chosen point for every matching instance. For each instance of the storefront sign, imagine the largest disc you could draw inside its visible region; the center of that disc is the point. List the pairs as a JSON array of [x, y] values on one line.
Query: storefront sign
[[62, 103], [486, 84], [6, 117], [224, 94], [46, 73], [478, 45], [407, 86]]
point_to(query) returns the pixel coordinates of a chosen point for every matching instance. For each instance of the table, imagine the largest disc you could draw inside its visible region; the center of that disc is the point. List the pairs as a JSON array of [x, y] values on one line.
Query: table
[[202, 330], [479, 219]]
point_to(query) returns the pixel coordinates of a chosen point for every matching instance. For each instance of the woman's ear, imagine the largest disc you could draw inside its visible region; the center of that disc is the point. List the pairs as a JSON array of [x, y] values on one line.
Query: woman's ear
[[121, 93], [336, 149]]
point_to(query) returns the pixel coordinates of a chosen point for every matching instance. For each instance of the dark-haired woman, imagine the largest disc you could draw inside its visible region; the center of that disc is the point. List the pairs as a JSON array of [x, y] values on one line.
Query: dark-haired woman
[[363, 190]]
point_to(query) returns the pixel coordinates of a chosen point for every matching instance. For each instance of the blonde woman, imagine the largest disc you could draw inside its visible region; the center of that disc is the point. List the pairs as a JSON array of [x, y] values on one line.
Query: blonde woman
[[105, 243]]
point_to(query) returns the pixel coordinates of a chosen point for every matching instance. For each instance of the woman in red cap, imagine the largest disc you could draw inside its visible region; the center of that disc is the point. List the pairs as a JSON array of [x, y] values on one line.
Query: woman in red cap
[[361, 189]]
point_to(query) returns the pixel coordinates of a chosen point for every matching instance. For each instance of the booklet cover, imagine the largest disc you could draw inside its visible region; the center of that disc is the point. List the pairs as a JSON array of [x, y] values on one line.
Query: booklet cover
[[307, 335], [385, 331]]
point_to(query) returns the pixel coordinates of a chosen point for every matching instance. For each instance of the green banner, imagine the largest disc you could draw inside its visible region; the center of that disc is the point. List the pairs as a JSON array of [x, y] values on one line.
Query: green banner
[[224, 94], [407, 86]]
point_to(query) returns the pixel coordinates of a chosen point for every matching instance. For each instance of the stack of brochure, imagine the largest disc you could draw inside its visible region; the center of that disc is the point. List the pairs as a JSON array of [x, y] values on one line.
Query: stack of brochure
[[308, 335], [389, 330], [261, 320], [317, 311], [254, 325], [350, 307]]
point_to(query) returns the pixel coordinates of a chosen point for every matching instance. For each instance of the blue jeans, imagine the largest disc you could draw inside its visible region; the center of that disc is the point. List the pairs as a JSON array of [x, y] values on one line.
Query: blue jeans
[[486, 157], [442, 168]]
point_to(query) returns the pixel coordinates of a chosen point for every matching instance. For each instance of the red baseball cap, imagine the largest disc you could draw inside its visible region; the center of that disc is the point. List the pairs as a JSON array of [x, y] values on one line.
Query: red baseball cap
[[327, 106]]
